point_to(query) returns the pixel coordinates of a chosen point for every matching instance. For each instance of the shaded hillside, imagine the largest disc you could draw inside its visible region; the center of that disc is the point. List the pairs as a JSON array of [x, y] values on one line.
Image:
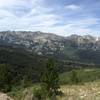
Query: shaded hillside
[[17, 56], [18, 66], [21, 57]]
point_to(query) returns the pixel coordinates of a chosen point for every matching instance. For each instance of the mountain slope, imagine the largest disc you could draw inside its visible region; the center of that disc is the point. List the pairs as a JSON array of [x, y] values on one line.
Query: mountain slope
[[76, 48]]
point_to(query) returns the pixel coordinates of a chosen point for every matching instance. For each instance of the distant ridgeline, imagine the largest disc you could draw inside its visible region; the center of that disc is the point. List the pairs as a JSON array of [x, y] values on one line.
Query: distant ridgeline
[[84, 49]]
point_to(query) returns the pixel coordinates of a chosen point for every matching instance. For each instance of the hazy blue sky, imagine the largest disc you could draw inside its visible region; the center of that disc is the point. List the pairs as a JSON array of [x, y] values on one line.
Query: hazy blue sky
[[63, 17]]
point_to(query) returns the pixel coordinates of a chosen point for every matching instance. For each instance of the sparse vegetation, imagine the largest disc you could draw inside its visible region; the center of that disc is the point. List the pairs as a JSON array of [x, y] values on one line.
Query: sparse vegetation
[[82, 76], [87, 91]]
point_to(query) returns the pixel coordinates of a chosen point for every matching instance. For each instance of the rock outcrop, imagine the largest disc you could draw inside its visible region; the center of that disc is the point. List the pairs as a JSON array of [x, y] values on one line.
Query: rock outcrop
[[5, 97]]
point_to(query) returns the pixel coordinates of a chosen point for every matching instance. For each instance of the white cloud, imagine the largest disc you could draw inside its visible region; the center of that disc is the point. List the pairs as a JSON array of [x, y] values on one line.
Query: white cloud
[[8, 3], [32, 21], [5, 3], [88, 21], [38, 18], [72, 7], [4, 14], [80, 27]]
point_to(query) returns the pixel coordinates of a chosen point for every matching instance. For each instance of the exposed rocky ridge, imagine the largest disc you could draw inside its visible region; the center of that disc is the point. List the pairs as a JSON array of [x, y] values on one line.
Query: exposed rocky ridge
[[37, 41], [51, 44], [86, 41], [47, 43]]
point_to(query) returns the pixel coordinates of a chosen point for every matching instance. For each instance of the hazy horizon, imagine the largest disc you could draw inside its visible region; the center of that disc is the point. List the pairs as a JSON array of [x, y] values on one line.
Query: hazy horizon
[[62, 17]]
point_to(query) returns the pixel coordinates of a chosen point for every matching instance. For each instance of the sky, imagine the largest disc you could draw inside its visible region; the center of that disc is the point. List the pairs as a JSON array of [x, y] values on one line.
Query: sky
[[63, 17]]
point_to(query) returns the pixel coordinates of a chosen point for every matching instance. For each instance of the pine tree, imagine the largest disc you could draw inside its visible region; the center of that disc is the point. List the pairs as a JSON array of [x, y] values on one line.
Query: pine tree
[[74, 77], [50, 78]]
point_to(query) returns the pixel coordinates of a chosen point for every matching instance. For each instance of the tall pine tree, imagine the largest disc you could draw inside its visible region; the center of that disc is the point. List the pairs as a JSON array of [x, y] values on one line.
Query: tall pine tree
[[50, 78]]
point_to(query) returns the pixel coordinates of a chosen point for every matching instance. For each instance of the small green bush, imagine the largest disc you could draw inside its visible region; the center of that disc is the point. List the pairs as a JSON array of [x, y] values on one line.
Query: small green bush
[[39, 93], [74, 77]]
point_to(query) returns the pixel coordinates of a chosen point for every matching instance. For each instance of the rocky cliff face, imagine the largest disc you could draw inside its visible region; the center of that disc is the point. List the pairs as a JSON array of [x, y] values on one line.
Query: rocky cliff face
[[47, 43], [85, 42], [35, 41], [75, 47]]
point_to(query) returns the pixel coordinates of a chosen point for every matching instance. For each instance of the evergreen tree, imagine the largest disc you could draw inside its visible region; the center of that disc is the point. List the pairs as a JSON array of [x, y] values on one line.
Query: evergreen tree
[[5, 77], [74, 77], [50, 78]]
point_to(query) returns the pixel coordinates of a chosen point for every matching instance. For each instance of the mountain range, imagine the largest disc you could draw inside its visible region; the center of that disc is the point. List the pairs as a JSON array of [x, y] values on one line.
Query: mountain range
[[75, 47]]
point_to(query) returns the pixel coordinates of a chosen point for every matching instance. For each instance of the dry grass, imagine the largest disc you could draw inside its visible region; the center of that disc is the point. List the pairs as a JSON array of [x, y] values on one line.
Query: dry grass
[[88, 91]]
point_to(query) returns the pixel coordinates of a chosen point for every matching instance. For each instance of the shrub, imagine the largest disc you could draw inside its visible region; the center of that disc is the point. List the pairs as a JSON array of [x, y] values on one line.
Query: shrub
[[74, 77], [39, 93]]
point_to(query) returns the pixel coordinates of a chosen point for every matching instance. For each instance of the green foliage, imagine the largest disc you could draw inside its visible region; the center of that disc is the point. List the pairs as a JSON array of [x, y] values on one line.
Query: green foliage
[[5, 77], [74, 77], [83, 75], [11, 76], [89, 56], [50, 78], [18, 67], [39, 93]]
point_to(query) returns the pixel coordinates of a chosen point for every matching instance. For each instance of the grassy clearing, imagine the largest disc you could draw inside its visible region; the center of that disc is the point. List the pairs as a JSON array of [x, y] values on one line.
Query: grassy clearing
[[84, 75], [88, 91]]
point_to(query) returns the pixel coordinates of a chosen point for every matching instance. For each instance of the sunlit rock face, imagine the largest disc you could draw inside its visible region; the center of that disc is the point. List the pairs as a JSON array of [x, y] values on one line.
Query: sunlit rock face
[[35, 41], [47, 43]]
